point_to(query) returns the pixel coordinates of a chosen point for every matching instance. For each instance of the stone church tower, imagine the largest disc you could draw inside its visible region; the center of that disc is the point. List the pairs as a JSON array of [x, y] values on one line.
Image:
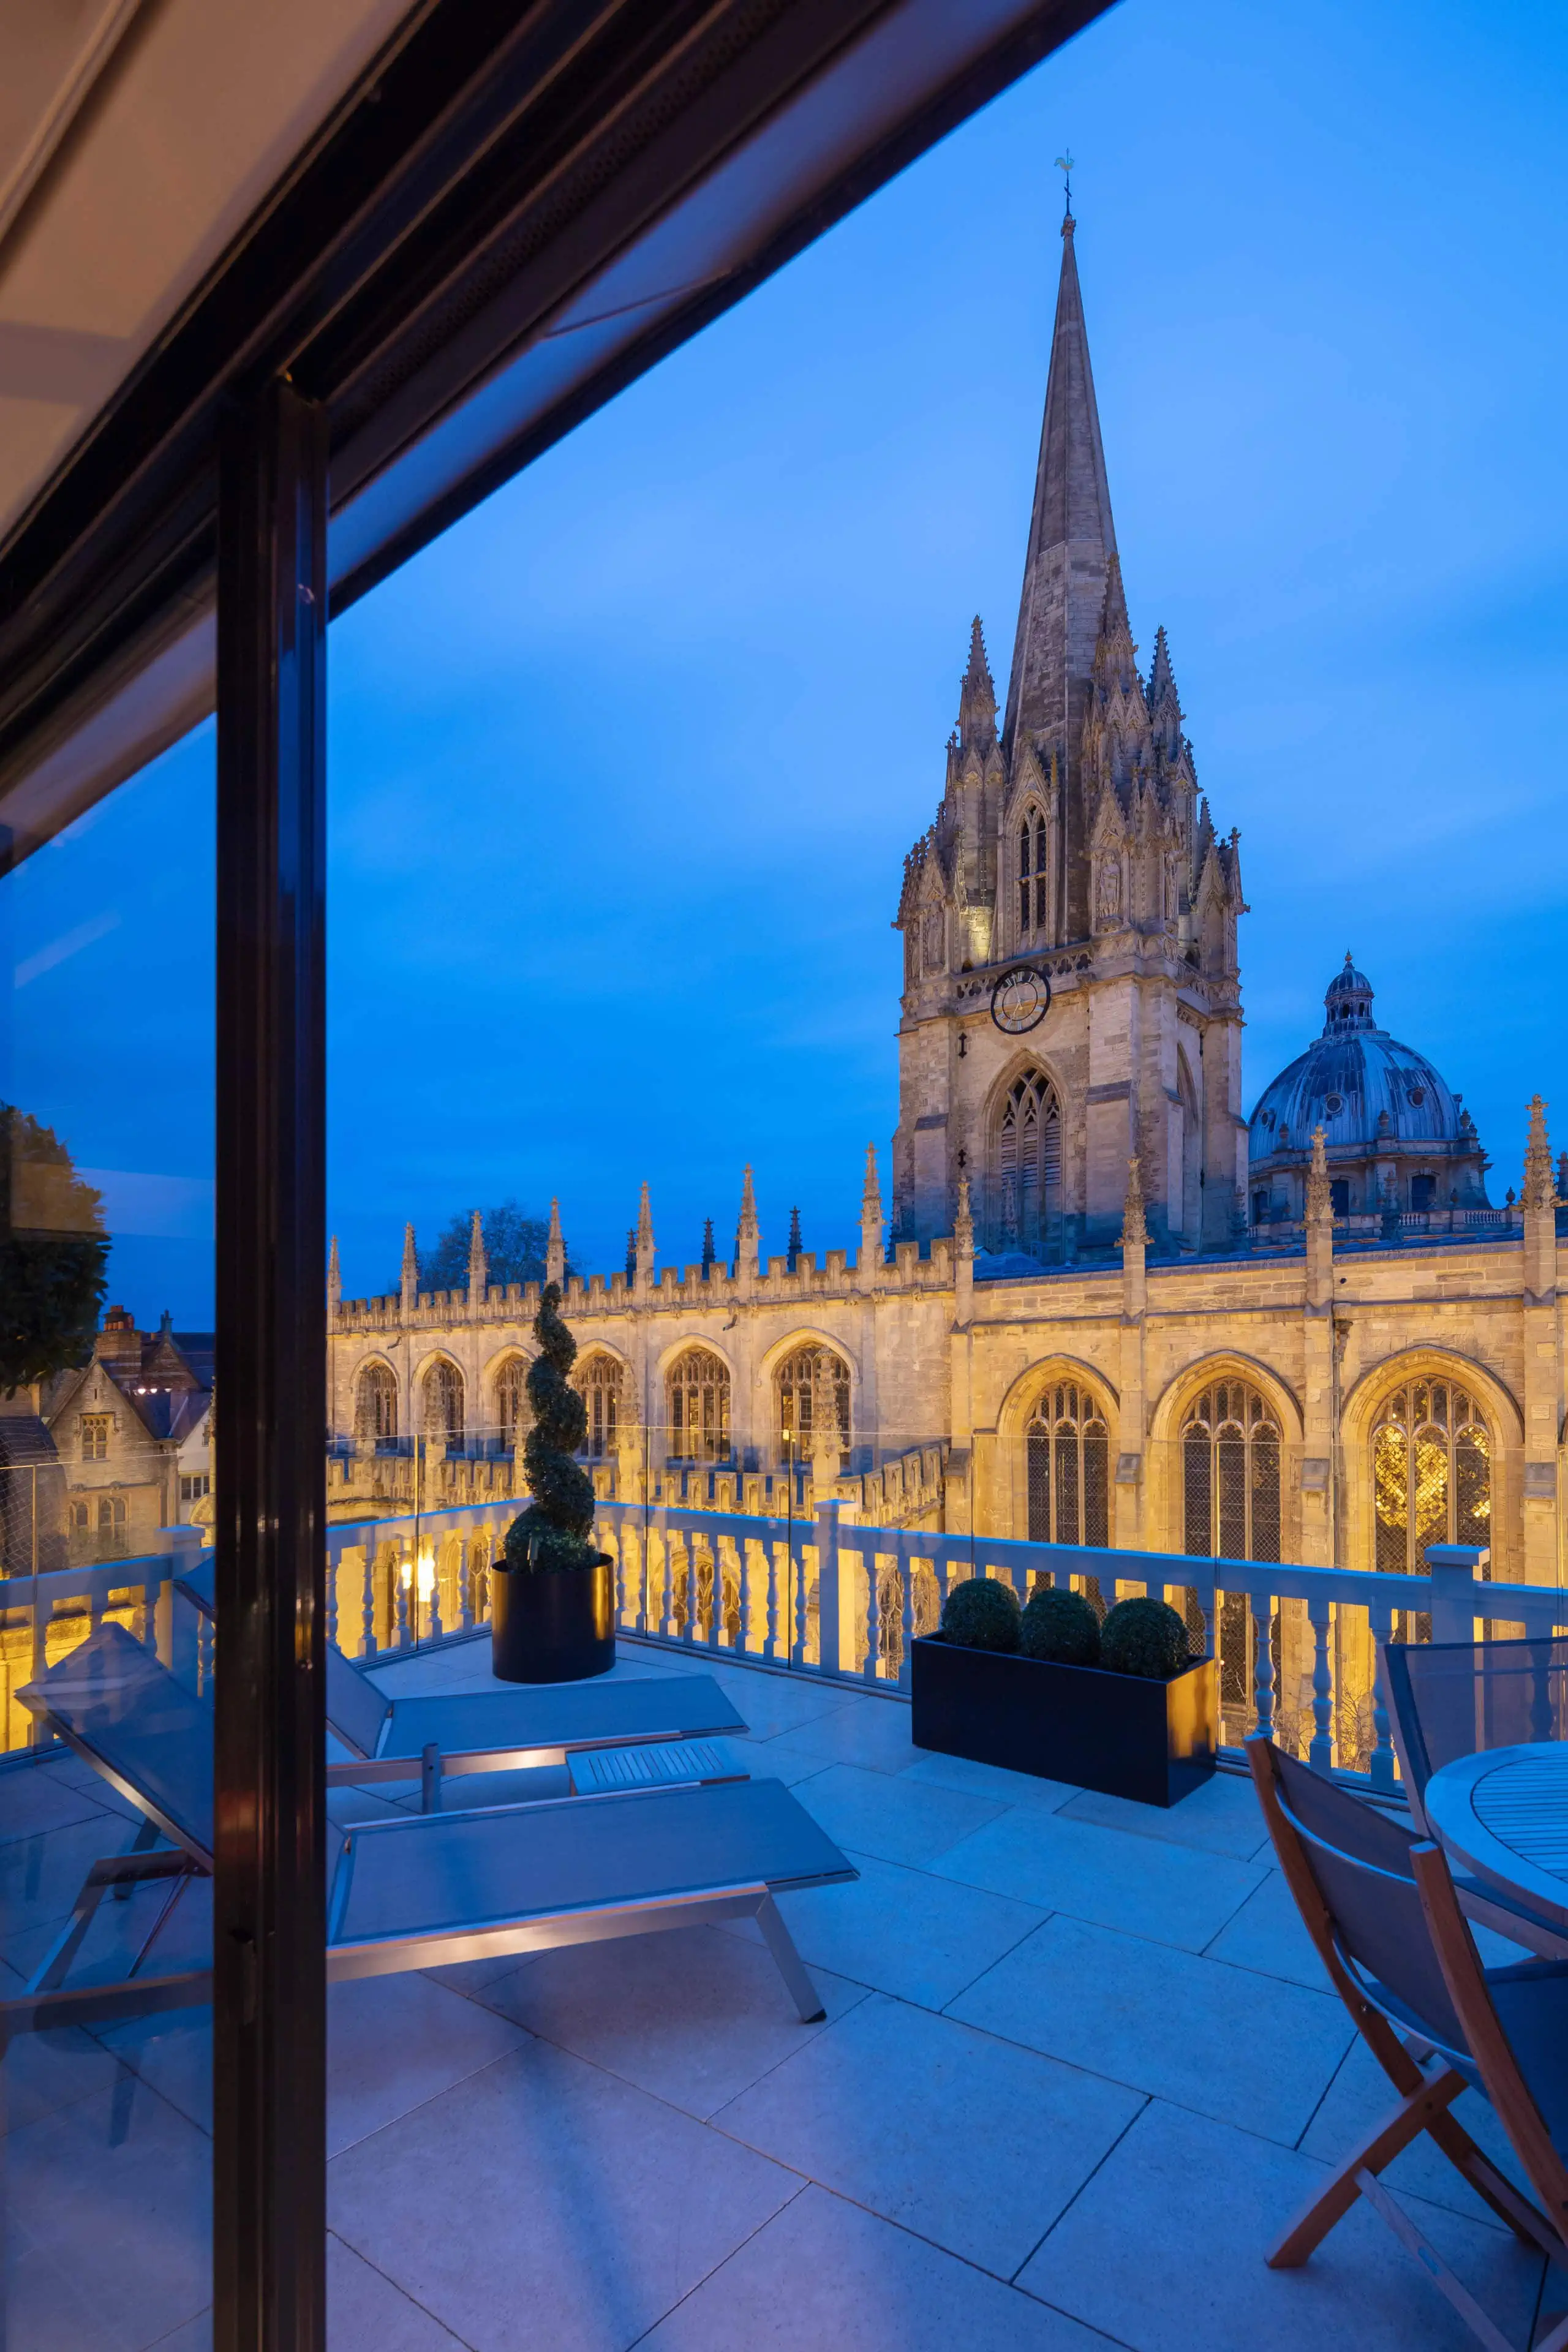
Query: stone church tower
[[1074, 842]]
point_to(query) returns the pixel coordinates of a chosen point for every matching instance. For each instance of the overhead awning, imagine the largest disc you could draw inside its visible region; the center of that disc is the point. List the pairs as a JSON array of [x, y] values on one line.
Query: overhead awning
[[462, 227]]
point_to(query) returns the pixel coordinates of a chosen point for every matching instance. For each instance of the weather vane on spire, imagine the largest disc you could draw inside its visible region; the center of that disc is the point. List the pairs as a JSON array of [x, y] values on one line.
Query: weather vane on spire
[[1063, 165]]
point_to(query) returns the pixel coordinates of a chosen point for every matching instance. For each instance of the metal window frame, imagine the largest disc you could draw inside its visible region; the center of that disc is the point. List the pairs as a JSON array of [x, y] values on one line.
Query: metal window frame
[[502, 160]]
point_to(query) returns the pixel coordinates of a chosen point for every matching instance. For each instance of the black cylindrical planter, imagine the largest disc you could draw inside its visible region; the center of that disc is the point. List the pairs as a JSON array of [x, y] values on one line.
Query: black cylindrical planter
[[553, 1624]]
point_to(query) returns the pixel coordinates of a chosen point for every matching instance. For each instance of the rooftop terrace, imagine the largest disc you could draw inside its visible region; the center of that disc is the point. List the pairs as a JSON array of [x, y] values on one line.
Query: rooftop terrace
[[1078, 2067]]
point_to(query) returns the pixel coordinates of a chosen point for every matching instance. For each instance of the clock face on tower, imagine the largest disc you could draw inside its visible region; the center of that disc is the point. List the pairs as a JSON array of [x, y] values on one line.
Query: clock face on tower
[[1020, 1000]]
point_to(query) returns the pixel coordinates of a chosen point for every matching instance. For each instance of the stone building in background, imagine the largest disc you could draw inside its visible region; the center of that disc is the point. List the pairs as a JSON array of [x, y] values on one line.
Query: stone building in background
[[1111, 1310]]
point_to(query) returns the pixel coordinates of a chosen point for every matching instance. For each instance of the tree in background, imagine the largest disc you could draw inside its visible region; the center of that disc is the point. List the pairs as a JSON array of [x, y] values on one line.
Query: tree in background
[[514, 1249], [54, 1256]]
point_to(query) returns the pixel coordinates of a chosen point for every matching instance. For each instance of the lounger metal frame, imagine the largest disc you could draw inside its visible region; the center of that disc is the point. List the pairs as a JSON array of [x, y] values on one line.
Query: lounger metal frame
[[48, 2001]]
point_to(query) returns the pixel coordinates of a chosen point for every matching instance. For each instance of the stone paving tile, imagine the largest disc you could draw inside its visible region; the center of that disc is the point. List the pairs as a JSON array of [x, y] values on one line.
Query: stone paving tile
[[108, 2221], [41, 1877], [1266, 1934], [1201, 2202], [896, 1820], [41, 2072], [1220, 1817], [903, 1931], [34, 1801], [987, 1780], [967, 2140], [392, 2044], [366, 2312], [826, 2277], [1361, 2096], [1145, 1885], [543, 2206], [874, 1732], [1240, 2047], [692, 2015]]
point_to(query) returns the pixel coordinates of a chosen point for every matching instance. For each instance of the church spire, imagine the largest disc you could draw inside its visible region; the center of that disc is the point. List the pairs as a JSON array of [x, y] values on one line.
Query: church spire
[[977, 698], [1064, 595], [1072, 545]]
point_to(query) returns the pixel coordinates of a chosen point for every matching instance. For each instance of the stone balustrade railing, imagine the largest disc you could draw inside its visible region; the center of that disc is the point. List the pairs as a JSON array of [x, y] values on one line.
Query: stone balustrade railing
[[826, 1595]]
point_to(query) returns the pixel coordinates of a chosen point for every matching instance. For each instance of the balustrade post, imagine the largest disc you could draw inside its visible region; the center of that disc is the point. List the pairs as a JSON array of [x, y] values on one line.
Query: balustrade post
[[367, 1612], [835, 1614], [1380, 1764], [408, 1555], [1263, 1661], [795, 1554], [1455, 1570], [906, 1568], [769, 1552], [669, 1625], [436, 1551], [1322, 1753], [873, 1613]]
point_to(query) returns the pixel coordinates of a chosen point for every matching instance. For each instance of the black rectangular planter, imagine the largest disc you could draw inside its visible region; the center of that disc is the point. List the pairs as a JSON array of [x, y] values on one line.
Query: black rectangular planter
[[1120, 1734]]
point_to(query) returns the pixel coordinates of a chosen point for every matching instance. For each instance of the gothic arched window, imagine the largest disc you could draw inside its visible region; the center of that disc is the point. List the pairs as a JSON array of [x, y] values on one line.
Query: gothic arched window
[[698, 1389], [814, 1397], [1033, 878], [1069, 1468], [511, 1402], [1432, 1473], [1025, 1209], [375, 1404], [1230, 1474], [598, 1380], [444, 1402]]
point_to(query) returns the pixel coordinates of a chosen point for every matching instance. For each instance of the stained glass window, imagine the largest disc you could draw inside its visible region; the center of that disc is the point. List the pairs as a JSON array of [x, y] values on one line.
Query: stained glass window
[[813, 1396], [697, 1388], [1230, 1474], [512, 1401], [444, 1402], [1431, 1468], [1069, 1468], [598, 1376], [375, 1401]]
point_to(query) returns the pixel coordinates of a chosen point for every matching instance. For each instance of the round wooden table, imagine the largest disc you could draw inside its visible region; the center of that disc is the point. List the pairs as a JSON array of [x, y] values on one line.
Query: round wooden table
[[1504, 1816]]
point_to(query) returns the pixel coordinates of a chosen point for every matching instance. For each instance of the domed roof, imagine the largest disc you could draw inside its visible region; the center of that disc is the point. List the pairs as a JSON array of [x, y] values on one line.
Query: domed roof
[[1358, 1083]]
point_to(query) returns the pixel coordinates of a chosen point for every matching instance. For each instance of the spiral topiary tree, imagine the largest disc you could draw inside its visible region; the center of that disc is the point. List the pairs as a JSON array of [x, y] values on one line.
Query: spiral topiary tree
[[555, 1531], [981, 1614], [1060, 1626], [1144, 1636]]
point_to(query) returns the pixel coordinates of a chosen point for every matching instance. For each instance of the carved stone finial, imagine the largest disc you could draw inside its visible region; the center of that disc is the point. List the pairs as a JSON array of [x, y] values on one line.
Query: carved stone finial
[[872, 1191], [555, 1247], [963, 1223], [1134, 1223], [1319, 1199], [1540, 1191], [479, 1268]]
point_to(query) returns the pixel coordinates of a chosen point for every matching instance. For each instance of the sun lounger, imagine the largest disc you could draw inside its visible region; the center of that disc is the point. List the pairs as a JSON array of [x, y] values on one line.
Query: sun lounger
[[416, 1891], [429, 1736]]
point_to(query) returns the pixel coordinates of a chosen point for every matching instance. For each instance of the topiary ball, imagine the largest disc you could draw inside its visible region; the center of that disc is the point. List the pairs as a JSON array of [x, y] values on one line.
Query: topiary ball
[[981, 1615], [1060, 1625], [1145, 1637]]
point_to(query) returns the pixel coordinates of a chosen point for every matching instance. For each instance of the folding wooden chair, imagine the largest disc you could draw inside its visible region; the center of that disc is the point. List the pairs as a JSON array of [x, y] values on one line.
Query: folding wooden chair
[[1352, 1872]]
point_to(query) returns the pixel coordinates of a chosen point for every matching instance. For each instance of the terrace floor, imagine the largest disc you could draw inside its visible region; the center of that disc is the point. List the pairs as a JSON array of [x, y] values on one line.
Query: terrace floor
[[1078, 2068]]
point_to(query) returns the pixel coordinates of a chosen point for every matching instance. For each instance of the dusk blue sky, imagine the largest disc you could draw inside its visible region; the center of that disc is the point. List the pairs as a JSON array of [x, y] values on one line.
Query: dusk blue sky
[[624, 769]]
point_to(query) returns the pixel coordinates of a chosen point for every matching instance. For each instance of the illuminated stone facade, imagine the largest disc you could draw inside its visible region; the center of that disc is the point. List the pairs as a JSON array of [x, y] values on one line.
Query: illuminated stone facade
[[1107, 1314]]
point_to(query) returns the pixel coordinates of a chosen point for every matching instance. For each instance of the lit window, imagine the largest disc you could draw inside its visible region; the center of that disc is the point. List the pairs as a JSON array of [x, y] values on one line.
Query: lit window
[[1025, 1208], [194, 1485], [512, 1401], [1432, 1473], [813, 1396], [698, 1392], [444, 1402], [599, 1379], [95, 1428]]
